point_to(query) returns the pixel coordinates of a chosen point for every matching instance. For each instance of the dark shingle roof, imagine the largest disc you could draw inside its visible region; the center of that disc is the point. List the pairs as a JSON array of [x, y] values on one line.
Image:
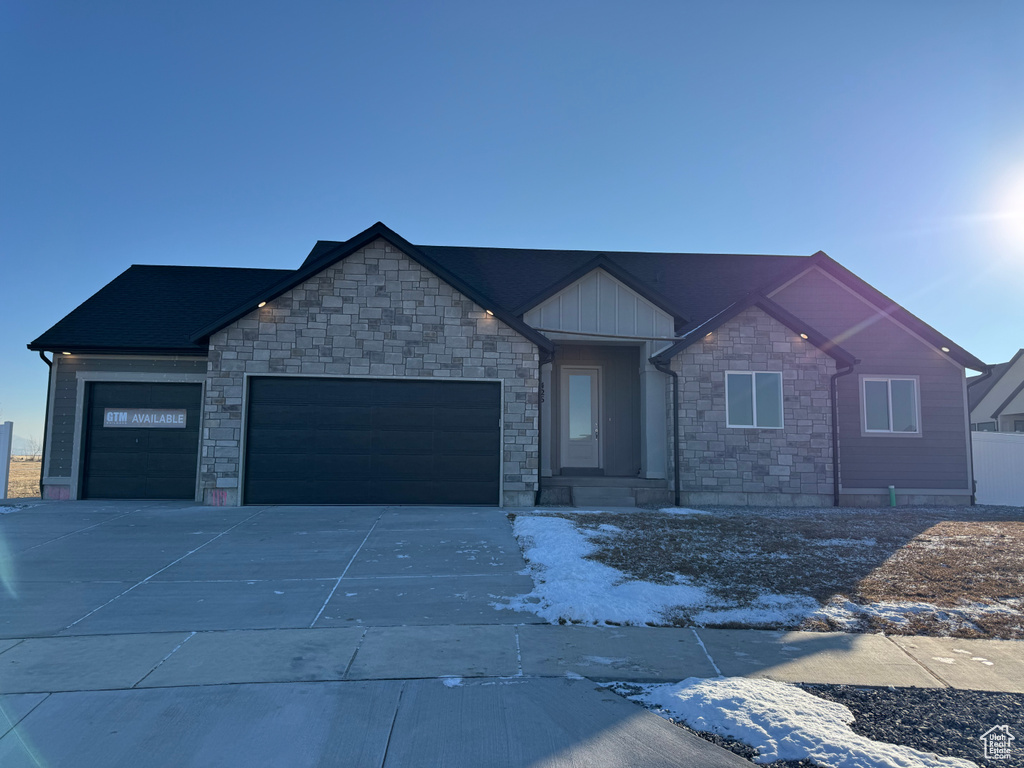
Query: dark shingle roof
[[174, 309], [699, 284], [154, 308]]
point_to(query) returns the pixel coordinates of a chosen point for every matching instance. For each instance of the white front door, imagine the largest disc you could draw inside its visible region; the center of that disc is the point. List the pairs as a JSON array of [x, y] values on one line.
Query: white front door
[[581, 417]]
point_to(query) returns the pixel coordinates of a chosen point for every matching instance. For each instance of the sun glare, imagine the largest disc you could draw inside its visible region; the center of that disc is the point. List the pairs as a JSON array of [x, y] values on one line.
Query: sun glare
[[1009, 211]]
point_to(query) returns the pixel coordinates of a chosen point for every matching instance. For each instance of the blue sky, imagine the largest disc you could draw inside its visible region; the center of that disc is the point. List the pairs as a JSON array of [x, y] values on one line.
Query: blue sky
[[889, 135]]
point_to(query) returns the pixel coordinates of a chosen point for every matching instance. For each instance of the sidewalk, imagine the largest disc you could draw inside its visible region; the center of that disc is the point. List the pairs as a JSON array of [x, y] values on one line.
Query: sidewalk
[[638, 654]]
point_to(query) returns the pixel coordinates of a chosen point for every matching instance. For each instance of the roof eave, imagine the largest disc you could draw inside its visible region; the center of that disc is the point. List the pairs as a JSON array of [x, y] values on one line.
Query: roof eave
[[192, 351]]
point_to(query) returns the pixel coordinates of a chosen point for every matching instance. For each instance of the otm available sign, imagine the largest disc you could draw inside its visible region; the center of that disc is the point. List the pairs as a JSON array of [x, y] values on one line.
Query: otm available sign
[[144, 418]]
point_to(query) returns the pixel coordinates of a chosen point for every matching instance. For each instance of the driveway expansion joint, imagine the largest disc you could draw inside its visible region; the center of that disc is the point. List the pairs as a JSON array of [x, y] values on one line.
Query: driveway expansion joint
[[929, 672]]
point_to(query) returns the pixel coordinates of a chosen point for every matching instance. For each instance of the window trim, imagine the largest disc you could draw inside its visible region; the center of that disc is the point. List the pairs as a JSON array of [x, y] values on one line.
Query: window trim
[[888, 378], [753, 391]]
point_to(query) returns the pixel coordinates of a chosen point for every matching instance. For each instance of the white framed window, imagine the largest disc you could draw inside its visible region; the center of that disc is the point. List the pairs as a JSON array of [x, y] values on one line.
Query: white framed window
[[890, 405], [753, 399]]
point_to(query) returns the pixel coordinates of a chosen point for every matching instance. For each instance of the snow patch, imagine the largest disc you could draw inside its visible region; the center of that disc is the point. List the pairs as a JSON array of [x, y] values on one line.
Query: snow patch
[[571, 588], [766, 610], [846, 614], [604, 660], [452, 682], [782, 722], [7, 510], [683, 511]]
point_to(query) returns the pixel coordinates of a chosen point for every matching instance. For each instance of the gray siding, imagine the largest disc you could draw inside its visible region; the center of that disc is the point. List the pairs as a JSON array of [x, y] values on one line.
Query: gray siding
[[620, 381], [63, 418], [937, 459]]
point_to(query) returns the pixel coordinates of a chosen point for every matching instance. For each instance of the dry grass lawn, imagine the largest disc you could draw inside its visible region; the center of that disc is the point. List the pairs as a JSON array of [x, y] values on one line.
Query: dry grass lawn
[[944, 557], [24, 479]]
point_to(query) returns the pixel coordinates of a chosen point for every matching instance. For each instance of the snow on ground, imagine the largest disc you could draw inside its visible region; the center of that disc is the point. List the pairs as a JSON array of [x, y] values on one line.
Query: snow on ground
[[682, 511], [781, 721], [766, 610], [846, 614], [7, 510], [568, 587]]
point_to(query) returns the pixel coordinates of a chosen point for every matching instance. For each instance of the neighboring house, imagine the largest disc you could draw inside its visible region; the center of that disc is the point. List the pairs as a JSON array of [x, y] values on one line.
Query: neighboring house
[[381, 372], [997, 398]]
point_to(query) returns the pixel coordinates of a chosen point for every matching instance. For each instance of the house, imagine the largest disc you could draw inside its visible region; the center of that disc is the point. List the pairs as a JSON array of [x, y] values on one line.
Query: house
[[997, 398], [382, 372]]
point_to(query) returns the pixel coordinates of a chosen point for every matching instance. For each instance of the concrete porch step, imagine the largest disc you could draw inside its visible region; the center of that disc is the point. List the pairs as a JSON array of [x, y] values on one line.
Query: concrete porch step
[[599, 492], [602, 496]]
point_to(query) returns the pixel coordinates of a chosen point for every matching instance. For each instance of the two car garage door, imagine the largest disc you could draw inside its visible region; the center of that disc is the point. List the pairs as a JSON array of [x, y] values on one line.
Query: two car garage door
[[372, 441]]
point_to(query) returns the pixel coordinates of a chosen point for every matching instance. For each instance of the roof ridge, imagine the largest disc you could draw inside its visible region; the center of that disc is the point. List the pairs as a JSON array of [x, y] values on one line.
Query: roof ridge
[[608, 252]]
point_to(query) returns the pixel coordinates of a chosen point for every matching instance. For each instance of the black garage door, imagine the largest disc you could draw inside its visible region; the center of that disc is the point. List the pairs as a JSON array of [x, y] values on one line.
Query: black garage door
[[128, 460], [363, 441]]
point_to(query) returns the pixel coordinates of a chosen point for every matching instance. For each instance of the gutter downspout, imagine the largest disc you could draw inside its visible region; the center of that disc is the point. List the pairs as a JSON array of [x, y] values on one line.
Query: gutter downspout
[[46, 423], [833, 391], [970, 438], [666, 368]]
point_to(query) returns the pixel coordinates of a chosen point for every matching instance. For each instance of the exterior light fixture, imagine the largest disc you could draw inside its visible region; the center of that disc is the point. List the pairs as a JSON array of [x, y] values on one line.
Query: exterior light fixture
[[944, 349], [489, 312], [261, 305], [803, 335], [65, 353]]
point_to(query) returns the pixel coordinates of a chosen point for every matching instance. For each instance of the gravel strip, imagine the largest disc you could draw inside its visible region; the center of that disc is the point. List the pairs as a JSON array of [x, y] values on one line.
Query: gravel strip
[[945, 721]]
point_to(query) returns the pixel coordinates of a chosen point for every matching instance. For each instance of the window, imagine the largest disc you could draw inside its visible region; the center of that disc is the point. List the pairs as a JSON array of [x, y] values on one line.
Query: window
[[1018, 425], [984, 426], [891, 405], [753, 399]]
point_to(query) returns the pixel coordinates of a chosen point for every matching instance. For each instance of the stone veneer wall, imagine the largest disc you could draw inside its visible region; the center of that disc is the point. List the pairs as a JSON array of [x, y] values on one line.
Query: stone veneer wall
[[723, 465], [377, 313]]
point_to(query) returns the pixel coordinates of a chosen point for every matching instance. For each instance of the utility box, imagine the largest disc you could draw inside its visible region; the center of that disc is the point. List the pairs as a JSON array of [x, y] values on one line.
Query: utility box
[[6, 439]]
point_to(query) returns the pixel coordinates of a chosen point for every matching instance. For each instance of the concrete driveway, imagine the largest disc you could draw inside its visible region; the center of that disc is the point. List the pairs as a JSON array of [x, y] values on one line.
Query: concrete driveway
[[102, 567], [152, 634]]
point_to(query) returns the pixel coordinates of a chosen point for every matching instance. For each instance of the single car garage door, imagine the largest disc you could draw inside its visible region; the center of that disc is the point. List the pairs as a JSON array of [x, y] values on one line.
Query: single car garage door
[[141, 441], [372, 441]]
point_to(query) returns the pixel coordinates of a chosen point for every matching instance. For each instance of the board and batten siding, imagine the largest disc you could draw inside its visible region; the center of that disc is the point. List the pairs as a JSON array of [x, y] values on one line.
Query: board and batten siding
[[64, 416], [598, 303], [936, 460]]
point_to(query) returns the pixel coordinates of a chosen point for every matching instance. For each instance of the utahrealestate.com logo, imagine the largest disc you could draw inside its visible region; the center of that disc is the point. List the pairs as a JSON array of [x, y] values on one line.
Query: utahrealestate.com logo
[[997, 741]]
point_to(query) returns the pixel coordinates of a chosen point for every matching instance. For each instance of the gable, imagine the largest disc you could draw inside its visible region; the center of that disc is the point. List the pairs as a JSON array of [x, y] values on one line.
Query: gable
[[379, 295], [852, 321], [598, 303], [998, 394], [342, 251]]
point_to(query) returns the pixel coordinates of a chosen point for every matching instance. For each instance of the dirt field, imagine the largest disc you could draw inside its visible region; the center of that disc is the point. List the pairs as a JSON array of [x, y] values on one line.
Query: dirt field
[[24, 481], [943, 563]]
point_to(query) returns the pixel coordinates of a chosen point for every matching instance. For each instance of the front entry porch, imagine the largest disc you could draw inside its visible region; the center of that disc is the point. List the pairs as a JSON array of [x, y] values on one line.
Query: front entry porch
[[603, 426]]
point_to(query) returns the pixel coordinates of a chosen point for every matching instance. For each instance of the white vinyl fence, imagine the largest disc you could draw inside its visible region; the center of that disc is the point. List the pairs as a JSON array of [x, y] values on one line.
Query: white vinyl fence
[[999, 467], [6, 439]]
